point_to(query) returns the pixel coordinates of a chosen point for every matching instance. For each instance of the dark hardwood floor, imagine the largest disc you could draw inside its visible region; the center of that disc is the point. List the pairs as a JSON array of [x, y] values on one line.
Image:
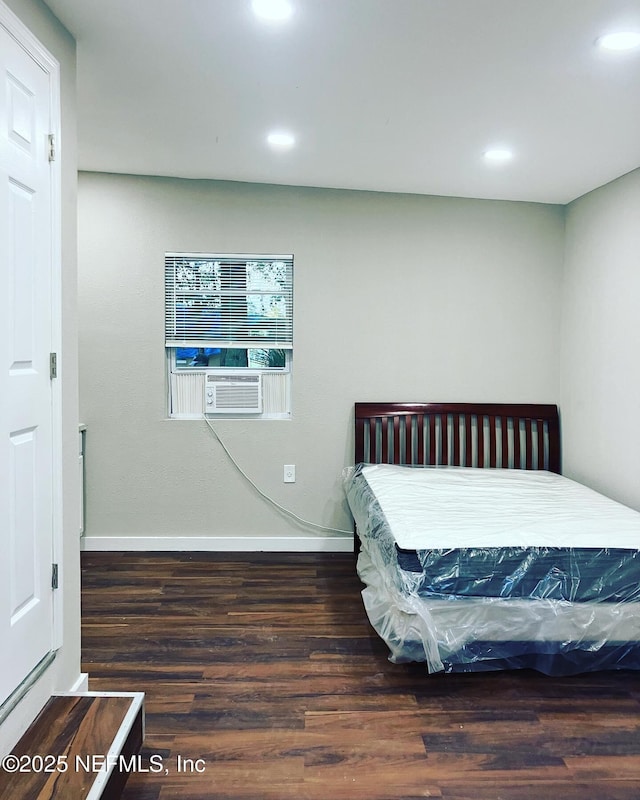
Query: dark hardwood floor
[[261, 673]]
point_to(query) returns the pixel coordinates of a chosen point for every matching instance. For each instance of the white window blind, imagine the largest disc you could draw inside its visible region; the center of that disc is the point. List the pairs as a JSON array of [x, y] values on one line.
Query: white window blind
[[230, 301]]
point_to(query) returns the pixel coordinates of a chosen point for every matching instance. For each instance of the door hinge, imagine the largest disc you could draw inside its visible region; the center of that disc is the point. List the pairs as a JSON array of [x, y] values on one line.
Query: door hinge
[[52, 147], [53, 365], [54, 576]]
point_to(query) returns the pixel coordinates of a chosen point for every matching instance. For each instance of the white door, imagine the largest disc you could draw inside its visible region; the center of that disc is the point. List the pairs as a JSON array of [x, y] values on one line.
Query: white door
[[26, 429]]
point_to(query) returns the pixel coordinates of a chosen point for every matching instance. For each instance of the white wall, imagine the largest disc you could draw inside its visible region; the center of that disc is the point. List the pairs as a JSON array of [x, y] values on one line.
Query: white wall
[[601, 340], [66, 667], [397, 297]]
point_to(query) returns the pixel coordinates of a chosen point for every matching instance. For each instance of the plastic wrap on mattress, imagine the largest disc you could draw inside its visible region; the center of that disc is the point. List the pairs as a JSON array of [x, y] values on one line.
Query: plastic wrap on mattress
[[559, 610]]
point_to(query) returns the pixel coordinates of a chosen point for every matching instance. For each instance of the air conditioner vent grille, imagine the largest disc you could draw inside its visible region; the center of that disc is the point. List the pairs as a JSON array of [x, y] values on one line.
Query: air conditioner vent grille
[[233, 394]]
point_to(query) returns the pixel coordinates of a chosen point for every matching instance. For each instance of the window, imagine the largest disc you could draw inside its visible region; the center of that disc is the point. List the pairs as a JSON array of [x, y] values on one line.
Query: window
[[229, 315]]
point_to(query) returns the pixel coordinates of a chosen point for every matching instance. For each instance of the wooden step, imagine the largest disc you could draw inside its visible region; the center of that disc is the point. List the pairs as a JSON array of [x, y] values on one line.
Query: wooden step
[[80, 747]]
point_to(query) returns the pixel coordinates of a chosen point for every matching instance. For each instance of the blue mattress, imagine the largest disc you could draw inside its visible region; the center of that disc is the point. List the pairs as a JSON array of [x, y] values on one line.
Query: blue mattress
[[559, 573]]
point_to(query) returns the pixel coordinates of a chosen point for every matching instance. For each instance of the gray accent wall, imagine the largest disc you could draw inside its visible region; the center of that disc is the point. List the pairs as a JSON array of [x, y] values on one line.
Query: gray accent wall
[[601, 340], [397, 297]]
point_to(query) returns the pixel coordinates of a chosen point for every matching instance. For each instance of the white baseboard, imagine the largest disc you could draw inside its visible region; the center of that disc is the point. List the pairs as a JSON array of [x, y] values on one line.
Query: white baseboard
[[249, 544]]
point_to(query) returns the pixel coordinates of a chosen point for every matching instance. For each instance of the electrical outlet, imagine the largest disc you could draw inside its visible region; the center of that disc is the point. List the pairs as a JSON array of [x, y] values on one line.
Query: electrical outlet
[[289, 473]]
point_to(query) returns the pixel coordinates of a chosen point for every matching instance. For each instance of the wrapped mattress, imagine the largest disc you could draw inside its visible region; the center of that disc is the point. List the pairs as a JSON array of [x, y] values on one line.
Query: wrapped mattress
[[485, 568]]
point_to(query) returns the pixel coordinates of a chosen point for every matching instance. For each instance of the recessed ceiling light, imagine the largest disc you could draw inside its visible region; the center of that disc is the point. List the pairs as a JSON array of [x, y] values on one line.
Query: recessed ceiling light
[[281, 140], [277, 10], [620, 41], [498, 154]]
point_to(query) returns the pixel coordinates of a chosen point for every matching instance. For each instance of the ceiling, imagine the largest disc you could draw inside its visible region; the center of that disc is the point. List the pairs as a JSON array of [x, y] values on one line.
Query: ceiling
[[386, 95]]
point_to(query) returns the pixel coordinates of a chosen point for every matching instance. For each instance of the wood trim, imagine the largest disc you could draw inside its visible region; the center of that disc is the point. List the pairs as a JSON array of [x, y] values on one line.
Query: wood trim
[[77, 728]]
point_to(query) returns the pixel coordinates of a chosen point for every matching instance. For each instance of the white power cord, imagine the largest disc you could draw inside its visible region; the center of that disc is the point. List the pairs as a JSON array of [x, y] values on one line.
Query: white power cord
[[264, 495]]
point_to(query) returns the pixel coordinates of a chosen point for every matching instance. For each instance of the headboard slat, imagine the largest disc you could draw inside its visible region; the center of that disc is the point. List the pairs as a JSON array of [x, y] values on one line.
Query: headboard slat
[[456, 440], [408, 439], [480, 425], [540, 442], [504, 439], [443, 438], [384, 455], [492, 440], [468, 441], [529, 444], [420, 435], [396, 440], [432, 439], [516, 444]]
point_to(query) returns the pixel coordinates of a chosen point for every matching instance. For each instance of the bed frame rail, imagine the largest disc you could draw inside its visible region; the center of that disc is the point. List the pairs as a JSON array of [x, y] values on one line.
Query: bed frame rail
[[509, 435]]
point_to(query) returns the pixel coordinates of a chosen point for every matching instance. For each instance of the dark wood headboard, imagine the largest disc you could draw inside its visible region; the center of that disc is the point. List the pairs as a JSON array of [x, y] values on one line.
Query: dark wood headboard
[[458, 434]]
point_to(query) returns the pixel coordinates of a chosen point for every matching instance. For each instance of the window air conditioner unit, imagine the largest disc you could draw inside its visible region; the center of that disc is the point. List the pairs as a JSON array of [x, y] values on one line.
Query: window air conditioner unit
[[233, 393]]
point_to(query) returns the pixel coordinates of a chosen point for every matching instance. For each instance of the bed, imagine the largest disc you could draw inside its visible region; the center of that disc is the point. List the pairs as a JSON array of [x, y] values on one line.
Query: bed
[[477, 554]]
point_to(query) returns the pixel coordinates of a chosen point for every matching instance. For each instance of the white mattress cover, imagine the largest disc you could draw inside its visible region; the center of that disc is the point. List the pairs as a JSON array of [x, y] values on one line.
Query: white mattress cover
[[454, 507]]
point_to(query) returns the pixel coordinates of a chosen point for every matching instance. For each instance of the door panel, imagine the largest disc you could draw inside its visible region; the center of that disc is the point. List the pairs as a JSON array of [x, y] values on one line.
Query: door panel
[[26, 449]]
